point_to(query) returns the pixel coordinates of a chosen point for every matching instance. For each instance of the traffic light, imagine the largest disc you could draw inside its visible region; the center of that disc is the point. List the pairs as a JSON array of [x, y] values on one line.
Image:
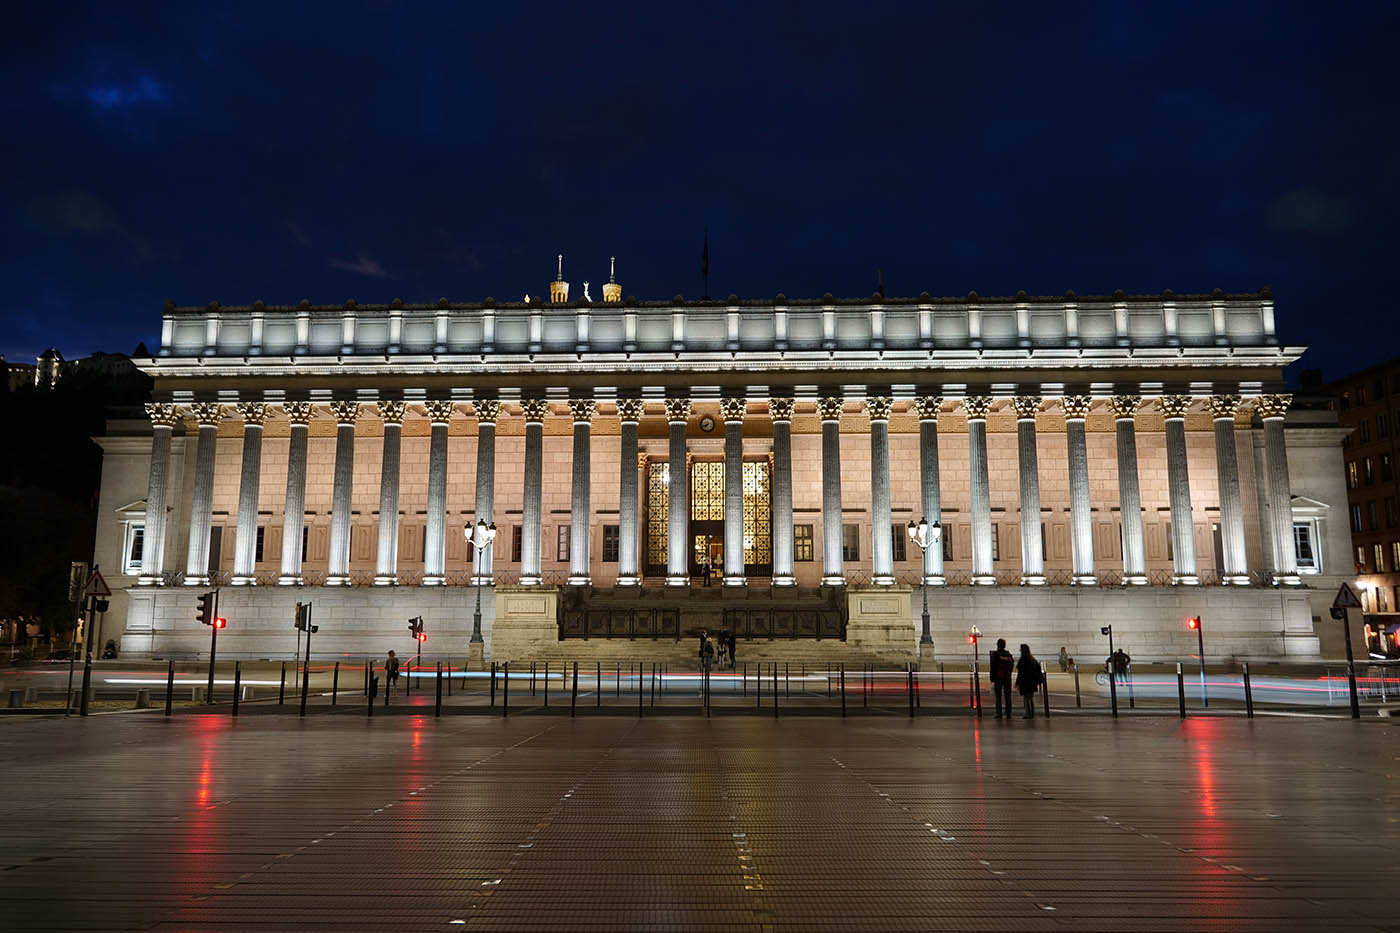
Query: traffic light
[[415, 628], [220, 622], [1193, 623], [205, 613], [301, 617], [422, 636]]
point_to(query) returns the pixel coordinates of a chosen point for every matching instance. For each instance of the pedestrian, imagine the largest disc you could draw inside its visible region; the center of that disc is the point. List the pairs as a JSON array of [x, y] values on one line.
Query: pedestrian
[[733, 643], [1029, 677], [1120, 662], [721, 648], [704, 637], [1001, 668], [1064, 660], [391, 672], [705, 572], [707, 653]]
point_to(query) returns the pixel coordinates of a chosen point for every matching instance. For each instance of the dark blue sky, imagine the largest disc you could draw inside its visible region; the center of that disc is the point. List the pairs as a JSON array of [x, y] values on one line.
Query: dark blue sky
[[203, 151]]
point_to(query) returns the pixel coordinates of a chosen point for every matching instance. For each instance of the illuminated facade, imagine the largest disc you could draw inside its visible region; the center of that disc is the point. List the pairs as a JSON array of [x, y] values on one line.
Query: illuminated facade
[[1131, 459]]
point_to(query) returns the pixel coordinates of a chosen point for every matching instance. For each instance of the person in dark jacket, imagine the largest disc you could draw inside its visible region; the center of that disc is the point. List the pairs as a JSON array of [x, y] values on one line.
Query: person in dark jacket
[[729, 636], [1002, 666], [1028, 679]]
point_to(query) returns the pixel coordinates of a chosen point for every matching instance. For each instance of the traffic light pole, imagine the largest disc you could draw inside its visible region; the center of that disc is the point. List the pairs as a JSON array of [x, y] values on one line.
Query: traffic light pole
[[306, 668], [213, 649], [87, 657], [1351, 665], [1201, 648]]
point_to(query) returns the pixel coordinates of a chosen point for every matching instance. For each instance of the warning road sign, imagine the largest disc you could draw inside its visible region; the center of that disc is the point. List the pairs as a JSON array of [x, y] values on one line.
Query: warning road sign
[[98, 586], [1346, 599]]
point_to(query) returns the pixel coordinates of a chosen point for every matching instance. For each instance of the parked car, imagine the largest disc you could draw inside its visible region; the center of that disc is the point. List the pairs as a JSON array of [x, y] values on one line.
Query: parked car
[[60, 655]]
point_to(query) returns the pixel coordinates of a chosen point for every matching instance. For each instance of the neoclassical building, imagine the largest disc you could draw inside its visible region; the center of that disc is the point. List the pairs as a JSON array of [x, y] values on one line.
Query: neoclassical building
[[656, 467]]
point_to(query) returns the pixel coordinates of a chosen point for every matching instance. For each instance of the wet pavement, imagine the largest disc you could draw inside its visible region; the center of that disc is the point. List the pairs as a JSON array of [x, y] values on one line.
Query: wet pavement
[[133, 821]]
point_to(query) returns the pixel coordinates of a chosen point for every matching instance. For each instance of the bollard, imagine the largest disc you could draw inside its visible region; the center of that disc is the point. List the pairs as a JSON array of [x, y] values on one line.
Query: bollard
[[282, 685], [828, 680], [598, 684], [367, 676], [573, 699], [1078, 704], [744, 687], [909, 673], [532, 678], [758, 685], [1113, 692], [546, 682], [653, 683], [408, 679], [1249, 693], [641, 694], [617, 682], [449, 677], [335, 682], [493, 684], [306, 684], [170, 687], [775, 689], [1180, 692], [942, 678], [842, 674], [87, 684], [1045, 688], [977, 685], [437, 702], [369, 688], [787, 682], [505, 690], [237, 685]]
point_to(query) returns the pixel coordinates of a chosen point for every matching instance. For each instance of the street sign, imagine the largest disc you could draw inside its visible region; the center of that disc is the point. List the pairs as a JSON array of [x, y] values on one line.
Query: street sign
[[98, 586], [1346, 599]]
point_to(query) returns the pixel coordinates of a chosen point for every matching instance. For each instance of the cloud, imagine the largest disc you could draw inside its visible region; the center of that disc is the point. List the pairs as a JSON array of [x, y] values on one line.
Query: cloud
[[364, 264]]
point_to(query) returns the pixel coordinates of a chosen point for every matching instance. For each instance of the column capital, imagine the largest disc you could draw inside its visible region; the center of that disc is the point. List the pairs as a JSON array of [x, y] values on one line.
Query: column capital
[[207, 413], [1273, 406], [733, 408], [1124, 406], [878, 407], [630, 410], [345, 412], [1223, 406], [1026, 406], [487, 410], [977, 407], [928, 407], [535, 410], [677, 409], [829, 408], [583, 409], [1076, 407], [391, 411], [439, 410], [1174, 406], [163, 414], [254, 413], [299, 412], [781, 409]]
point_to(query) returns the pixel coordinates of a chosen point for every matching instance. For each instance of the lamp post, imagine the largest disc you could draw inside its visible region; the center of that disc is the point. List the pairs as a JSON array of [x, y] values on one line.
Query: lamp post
[[925, 536], [480, 537]]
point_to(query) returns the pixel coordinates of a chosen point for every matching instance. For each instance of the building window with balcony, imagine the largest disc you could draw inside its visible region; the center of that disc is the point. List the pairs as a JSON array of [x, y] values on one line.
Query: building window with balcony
[[802, 547], [1303, 548], [850, 543], [1365, 429], [1356, 518], [611, 536], [133, 546]]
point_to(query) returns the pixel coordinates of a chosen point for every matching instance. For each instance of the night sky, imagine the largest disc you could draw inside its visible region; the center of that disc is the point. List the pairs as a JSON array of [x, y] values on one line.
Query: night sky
[[200, 151]]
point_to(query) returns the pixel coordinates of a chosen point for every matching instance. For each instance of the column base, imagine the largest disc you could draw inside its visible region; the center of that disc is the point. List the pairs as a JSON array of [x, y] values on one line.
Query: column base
[[485, 579], [149, 581], [242, 579], [435, 579], [1185, 579], [833, 579], [338, 580], [1236, 579], [386, 579], [1288, 579], [1084, 579], [579, 579], [785, 580], [629, 580], [196, 581], [1032, 579], [1134, 579], [734, 581], [677, 580], [476, 655], [983, 579], [883, 580], [289, 579], [531, 580], [935, 579]]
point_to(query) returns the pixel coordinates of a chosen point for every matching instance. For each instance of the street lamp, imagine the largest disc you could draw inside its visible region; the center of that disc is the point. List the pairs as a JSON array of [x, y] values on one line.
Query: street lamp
[[925, 536], [480, 537]]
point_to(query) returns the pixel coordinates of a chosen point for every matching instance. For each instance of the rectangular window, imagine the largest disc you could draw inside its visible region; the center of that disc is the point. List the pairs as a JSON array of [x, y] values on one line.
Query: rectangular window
[[1346, 401], [1360, 559], [1372, 516], [1379, 552], [802, 547], [996, 542], [947, 542], [1368, 470], [1352, 475], [515, 543], [1377, 389], [1392, 514], [1360, 395], [1383, 424], [850, 543], [305, 540], [1365, 429], [561, 543], [1380, 599], [1303, 546], [1365, 600], [1387, 469], [1395, 553], [258, 547], [1356, 518], [134, 549], [610, 539], [900, 538]]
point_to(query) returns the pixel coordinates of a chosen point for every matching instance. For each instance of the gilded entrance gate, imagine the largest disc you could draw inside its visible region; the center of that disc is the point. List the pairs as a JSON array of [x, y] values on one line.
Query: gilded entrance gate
[[707, 518]]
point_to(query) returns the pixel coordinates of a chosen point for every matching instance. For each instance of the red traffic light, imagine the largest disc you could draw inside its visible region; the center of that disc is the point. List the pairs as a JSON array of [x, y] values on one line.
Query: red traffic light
[[422, 636], [220, 622], [1193, 623]]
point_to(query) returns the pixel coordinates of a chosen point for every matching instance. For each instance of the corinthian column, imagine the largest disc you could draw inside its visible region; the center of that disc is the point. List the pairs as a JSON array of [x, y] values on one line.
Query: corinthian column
[[1032, 551], [1227, 471], [780, 410], [1076, 408], [163, 418], [487, 411], [246, 548], [338, 571], [439, 413], [977, 407], [1124, 408], [206, 415], [386, 570], [1272, 409], [928, 407], [733, 410], [678, 496], [829, 409], [881, 543], [629, 412], [580, 496], [532, 513], [294, 511], [1173, 408]]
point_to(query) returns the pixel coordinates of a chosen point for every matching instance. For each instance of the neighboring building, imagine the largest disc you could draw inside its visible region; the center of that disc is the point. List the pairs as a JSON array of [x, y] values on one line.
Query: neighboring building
[[1132, 460], [49, 369], [18, 375]]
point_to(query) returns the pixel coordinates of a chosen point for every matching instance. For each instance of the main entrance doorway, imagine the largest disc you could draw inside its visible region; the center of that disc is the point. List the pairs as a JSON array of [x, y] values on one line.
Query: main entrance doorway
[[707, 519]]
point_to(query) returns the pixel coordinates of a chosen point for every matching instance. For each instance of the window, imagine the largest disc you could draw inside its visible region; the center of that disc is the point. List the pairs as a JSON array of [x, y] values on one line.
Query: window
[[1356, 518], [1383, 424], [1368, 470], [1387, 470], [996, 542], [1372, 521], [1352, 475], [133, 548], [1395, 553], [1346, 442], [1377, 389], [900, 537], [1365, 600], [947, 542], [258, 546], [1392, 515], [1360, 559], [1365, 429], [1378, 551], [850, 542], [515, 536], [610, 539], [1346, 401], [802, 542], [561, 543], [1380, 599], [1360, 395], [1303, 547], [305, 540]]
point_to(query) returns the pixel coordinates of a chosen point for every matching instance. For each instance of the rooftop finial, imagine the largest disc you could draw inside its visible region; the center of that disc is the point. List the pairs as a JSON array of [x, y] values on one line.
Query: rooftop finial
[[612, 268], [612, 292], [559, 276], [559, 289]]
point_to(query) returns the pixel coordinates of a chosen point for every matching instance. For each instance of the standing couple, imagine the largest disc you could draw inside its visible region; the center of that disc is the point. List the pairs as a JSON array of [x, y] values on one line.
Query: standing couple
[[1027, 674]]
